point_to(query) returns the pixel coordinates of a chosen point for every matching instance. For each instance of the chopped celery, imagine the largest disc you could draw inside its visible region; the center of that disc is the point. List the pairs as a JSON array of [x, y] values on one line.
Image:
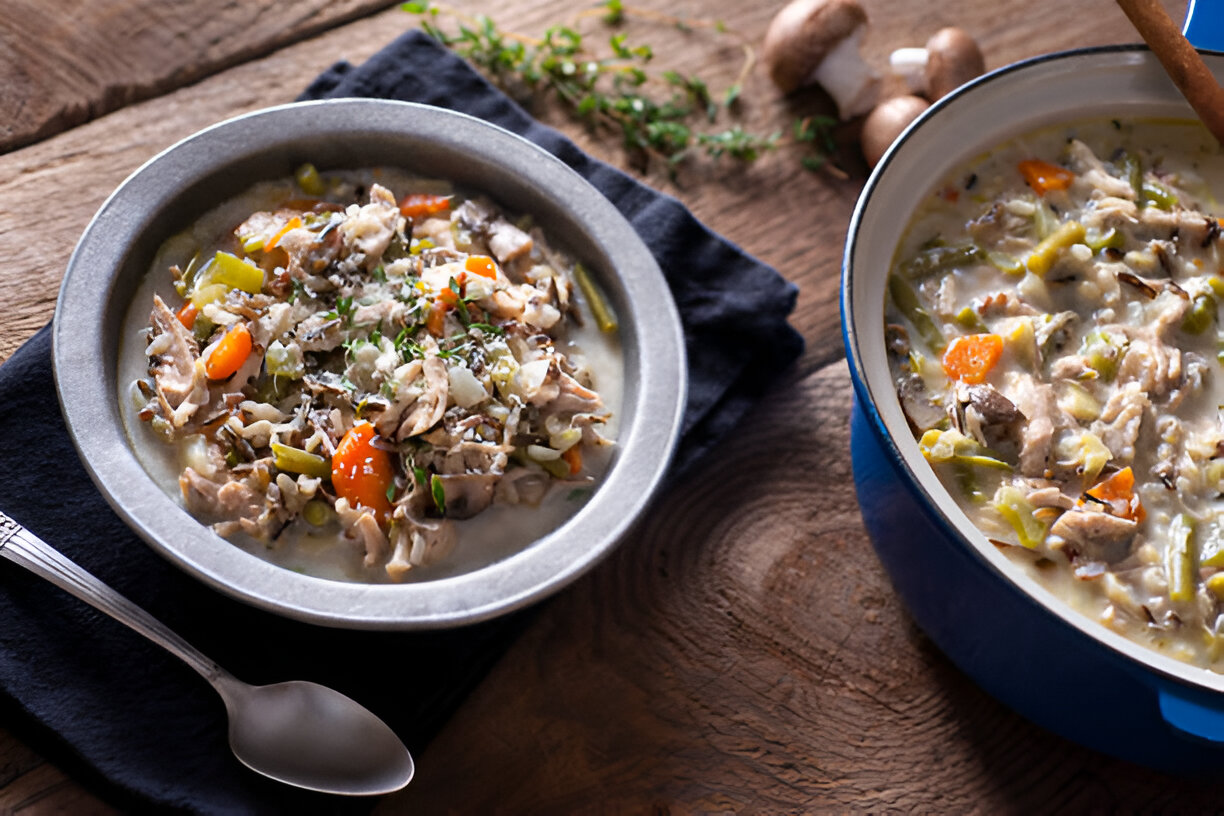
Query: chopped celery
[[935, 259], [1017, 511], [317, 512], [296, 460], [1043, 256], [1044, 221], [1211, 546], [1003, 262], [1179, 558], [953, 446], [1200, 315], [1076, 401], [233, 272], [1132, 171], [282, 361], [309, 180], [906, 300], [969, 319], [201, 296], [1110, 239], [1102, 351]]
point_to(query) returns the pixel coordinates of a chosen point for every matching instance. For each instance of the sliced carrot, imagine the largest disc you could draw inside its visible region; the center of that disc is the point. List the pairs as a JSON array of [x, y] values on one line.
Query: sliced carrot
[[481, 265], [1044, 177], [969, 358], [187, 315], [362, 473], [1118, 491], [229, 354], [292, 224], [418, 204], [448, 297], [573, 458]]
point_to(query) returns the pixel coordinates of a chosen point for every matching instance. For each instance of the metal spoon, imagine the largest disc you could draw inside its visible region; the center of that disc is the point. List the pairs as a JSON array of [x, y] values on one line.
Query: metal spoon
[[298, 732]]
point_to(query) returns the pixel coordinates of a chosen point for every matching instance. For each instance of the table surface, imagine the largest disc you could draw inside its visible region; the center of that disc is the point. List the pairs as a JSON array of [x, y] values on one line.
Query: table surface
[[743, 650]]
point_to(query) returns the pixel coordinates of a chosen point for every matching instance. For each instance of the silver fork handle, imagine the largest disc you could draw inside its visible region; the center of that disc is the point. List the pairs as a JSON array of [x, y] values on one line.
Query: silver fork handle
[[22, 547]]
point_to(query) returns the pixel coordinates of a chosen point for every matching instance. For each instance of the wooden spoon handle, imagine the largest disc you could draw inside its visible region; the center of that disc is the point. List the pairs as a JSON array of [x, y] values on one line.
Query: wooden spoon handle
[[1182, 63]]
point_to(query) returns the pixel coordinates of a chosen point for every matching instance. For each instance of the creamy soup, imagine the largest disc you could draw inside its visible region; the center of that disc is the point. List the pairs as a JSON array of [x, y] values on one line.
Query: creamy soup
[[370, 376], [1054, 333]]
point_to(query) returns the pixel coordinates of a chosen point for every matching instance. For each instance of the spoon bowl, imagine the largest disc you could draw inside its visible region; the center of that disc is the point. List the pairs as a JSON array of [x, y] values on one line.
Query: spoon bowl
[[313, 737], [299, 733]]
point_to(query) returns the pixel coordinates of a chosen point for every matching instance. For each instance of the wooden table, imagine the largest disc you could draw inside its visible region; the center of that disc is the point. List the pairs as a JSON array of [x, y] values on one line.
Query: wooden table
[[743, 650]]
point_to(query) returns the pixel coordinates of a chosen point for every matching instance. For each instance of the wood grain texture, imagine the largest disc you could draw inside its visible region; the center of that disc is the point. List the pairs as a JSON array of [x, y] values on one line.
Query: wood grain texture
[[743, 651], [67, 62]]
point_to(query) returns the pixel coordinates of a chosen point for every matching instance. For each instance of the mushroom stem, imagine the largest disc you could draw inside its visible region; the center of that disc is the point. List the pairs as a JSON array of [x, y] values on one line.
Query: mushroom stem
[[910, 64], [853, 84]]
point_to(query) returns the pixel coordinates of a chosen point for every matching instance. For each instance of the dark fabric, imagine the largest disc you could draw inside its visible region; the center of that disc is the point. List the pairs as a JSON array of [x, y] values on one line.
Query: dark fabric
[[140, 726]]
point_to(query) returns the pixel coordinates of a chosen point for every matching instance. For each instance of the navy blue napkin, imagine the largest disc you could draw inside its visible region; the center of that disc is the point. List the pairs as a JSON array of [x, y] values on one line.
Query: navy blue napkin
[[143, 730]]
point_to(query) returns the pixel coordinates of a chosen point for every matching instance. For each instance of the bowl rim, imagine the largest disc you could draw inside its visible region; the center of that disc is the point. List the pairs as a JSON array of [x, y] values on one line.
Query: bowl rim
[[976, 544], [644, 446]]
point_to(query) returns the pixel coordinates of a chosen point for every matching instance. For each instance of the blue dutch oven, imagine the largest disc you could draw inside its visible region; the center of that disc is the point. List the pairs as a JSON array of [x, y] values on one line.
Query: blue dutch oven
[[1022, 644]]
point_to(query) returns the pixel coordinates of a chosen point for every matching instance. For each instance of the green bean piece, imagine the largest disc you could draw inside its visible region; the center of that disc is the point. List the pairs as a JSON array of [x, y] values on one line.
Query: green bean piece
[[1046, 253], [296, 460], [1157, 195], [1179, 559], [1200, 315], [928, 262], [1017, 511], [601, 310], [1132, 171], [906, 300]]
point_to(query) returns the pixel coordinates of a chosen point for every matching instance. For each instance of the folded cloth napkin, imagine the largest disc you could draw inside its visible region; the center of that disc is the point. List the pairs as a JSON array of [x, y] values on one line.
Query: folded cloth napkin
[[141, 727]]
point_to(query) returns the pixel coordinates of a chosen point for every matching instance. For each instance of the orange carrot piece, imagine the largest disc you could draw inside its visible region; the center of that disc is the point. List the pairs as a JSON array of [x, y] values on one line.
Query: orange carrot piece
[[481, 265], [970, 358], [418, 204], [362, 473], [573, 458], [1044, 177], [1118, 491], [187, 315], [292, 224], [229, 354]]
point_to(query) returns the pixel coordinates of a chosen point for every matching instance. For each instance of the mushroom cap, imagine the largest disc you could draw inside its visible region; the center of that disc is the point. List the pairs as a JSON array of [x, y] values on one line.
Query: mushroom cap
[[802, 33], [885, 123], [953, 58]]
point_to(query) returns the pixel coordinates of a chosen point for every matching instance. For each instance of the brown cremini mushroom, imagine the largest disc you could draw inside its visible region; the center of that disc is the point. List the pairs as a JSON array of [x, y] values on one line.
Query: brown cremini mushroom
[[950, 59], [885, 123], [817, 42]]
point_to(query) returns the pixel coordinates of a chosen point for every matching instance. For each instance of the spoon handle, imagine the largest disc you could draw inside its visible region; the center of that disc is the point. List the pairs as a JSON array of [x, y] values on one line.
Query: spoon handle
[[22, 547]]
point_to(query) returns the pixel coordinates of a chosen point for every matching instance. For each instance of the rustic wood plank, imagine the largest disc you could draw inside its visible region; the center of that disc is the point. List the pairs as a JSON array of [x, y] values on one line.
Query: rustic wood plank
[[68, 62]]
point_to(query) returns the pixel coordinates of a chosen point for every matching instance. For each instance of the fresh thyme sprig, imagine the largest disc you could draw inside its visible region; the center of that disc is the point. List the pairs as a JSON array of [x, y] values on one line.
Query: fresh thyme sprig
[[666, 115]]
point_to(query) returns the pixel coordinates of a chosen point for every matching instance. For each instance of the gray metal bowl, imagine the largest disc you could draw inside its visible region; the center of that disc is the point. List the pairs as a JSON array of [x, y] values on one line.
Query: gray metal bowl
[[180, 184]]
